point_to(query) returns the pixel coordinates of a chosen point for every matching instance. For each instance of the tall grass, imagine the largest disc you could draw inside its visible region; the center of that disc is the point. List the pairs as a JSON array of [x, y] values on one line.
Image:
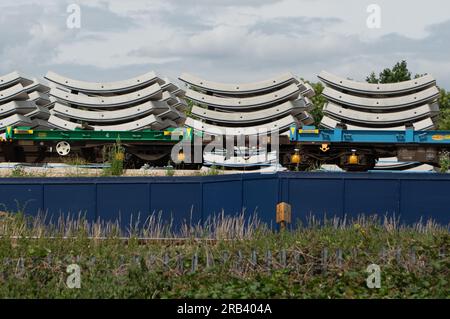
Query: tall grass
[[222, 257]]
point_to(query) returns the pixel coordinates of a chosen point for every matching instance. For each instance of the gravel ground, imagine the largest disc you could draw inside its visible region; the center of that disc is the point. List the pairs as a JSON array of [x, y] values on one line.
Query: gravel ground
[[72, 171]]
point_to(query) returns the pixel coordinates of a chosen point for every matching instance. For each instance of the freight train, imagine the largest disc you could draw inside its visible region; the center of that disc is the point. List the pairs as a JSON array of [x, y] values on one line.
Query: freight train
[[303, 148], [240, 125]]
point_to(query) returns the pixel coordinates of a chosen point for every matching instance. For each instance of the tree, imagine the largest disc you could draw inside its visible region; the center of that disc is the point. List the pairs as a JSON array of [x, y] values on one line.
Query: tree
[[318, 100], [398, 73], [444, 114]]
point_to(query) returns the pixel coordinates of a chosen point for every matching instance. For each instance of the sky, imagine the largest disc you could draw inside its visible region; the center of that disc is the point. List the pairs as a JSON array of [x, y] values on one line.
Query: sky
[[227, 41]]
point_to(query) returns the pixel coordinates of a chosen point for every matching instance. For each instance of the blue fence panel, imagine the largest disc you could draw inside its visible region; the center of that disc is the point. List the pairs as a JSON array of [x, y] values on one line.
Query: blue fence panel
[[261, 196], [313, 196], [22, 197], [126, 202], [61, 199], [365, 196], [193, 199], [222, 195], [425, 199], [180, 201]]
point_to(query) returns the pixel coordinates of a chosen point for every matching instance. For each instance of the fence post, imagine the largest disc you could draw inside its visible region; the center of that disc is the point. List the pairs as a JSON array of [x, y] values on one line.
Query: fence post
[[283, 215]]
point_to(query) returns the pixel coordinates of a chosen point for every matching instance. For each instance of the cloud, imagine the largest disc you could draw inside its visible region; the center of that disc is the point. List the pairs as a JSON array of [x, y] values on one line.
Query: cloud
[[238, 41]]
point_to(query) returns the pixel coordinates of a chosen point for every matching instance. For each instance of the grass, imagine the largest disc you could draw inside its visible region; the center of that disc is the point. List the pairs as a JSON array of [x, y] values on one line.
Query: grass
[[225, 257], [115, 156]]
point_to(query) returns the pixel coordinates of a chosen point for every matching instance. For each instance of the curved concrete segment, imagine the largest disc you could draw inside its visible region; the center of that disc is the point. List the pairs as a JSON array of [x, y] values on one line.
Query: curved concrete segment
[[273, 127], [369, 88], [13, 78], [110, 116], [289, 107], [269, 158], [107, 87], [422, 125], [421, 97], [169, 86], [14, 120], [151, 92], [161, 125], [306, 90], [38, 124], [39, 98], [16, 107], [287, 93], [172, 114], [239, 88], [37, 86], [40, 112], [330, 123], [61, 124], [15, 92], [143, 123], [378, 118]]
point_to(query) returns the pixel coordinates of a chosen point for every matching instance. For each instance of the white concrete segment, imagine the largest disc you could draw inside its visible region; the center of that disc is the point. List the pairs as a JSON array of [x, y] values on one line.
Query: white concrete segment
[[40, 112], [15, 92], [422, 125], [39, 98], [143, 123], [286, 93], [62, 124], [107, 87], [16, 107], [140, 124], [163, 124], [421, 97], [370, 88], [13, 78], [169, 86], [307, 90], [252, 160], [276, 126], [38, 124], [377, 118], [14, 120], [36, 85], [239, 88], [154, 107], [170, 113], [152, 92], [289, 107]]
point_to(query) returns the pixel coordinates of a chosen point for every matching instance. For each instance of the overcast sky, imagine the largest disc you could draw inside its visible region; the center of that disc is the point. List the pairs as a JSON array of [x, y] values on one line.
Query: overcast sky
[[228, 41]]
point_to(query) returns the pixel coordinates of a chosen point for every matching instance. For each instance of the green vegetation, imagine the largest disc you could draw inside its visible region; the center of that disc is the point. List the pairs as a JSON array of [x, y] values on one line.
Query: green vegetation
[[74, 160], [19, 171], [222, 259], [444, 115], [398, 73], [444, 162], [318, 101], [170, 171], [115, 156]]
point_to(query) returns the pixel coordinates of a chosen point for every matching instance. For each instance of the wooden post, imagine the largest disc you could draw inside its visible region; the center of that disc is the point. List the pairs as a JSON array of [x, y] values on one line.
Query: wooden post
[[283, 215]]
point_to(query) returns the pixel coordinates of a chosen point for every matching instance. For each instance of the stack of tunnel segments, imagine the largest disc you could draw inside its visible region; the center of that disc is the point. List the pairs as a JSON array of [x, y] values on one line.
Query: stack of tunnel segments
[[143, 102], [247, 109], [380, 106], [23, 102]]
